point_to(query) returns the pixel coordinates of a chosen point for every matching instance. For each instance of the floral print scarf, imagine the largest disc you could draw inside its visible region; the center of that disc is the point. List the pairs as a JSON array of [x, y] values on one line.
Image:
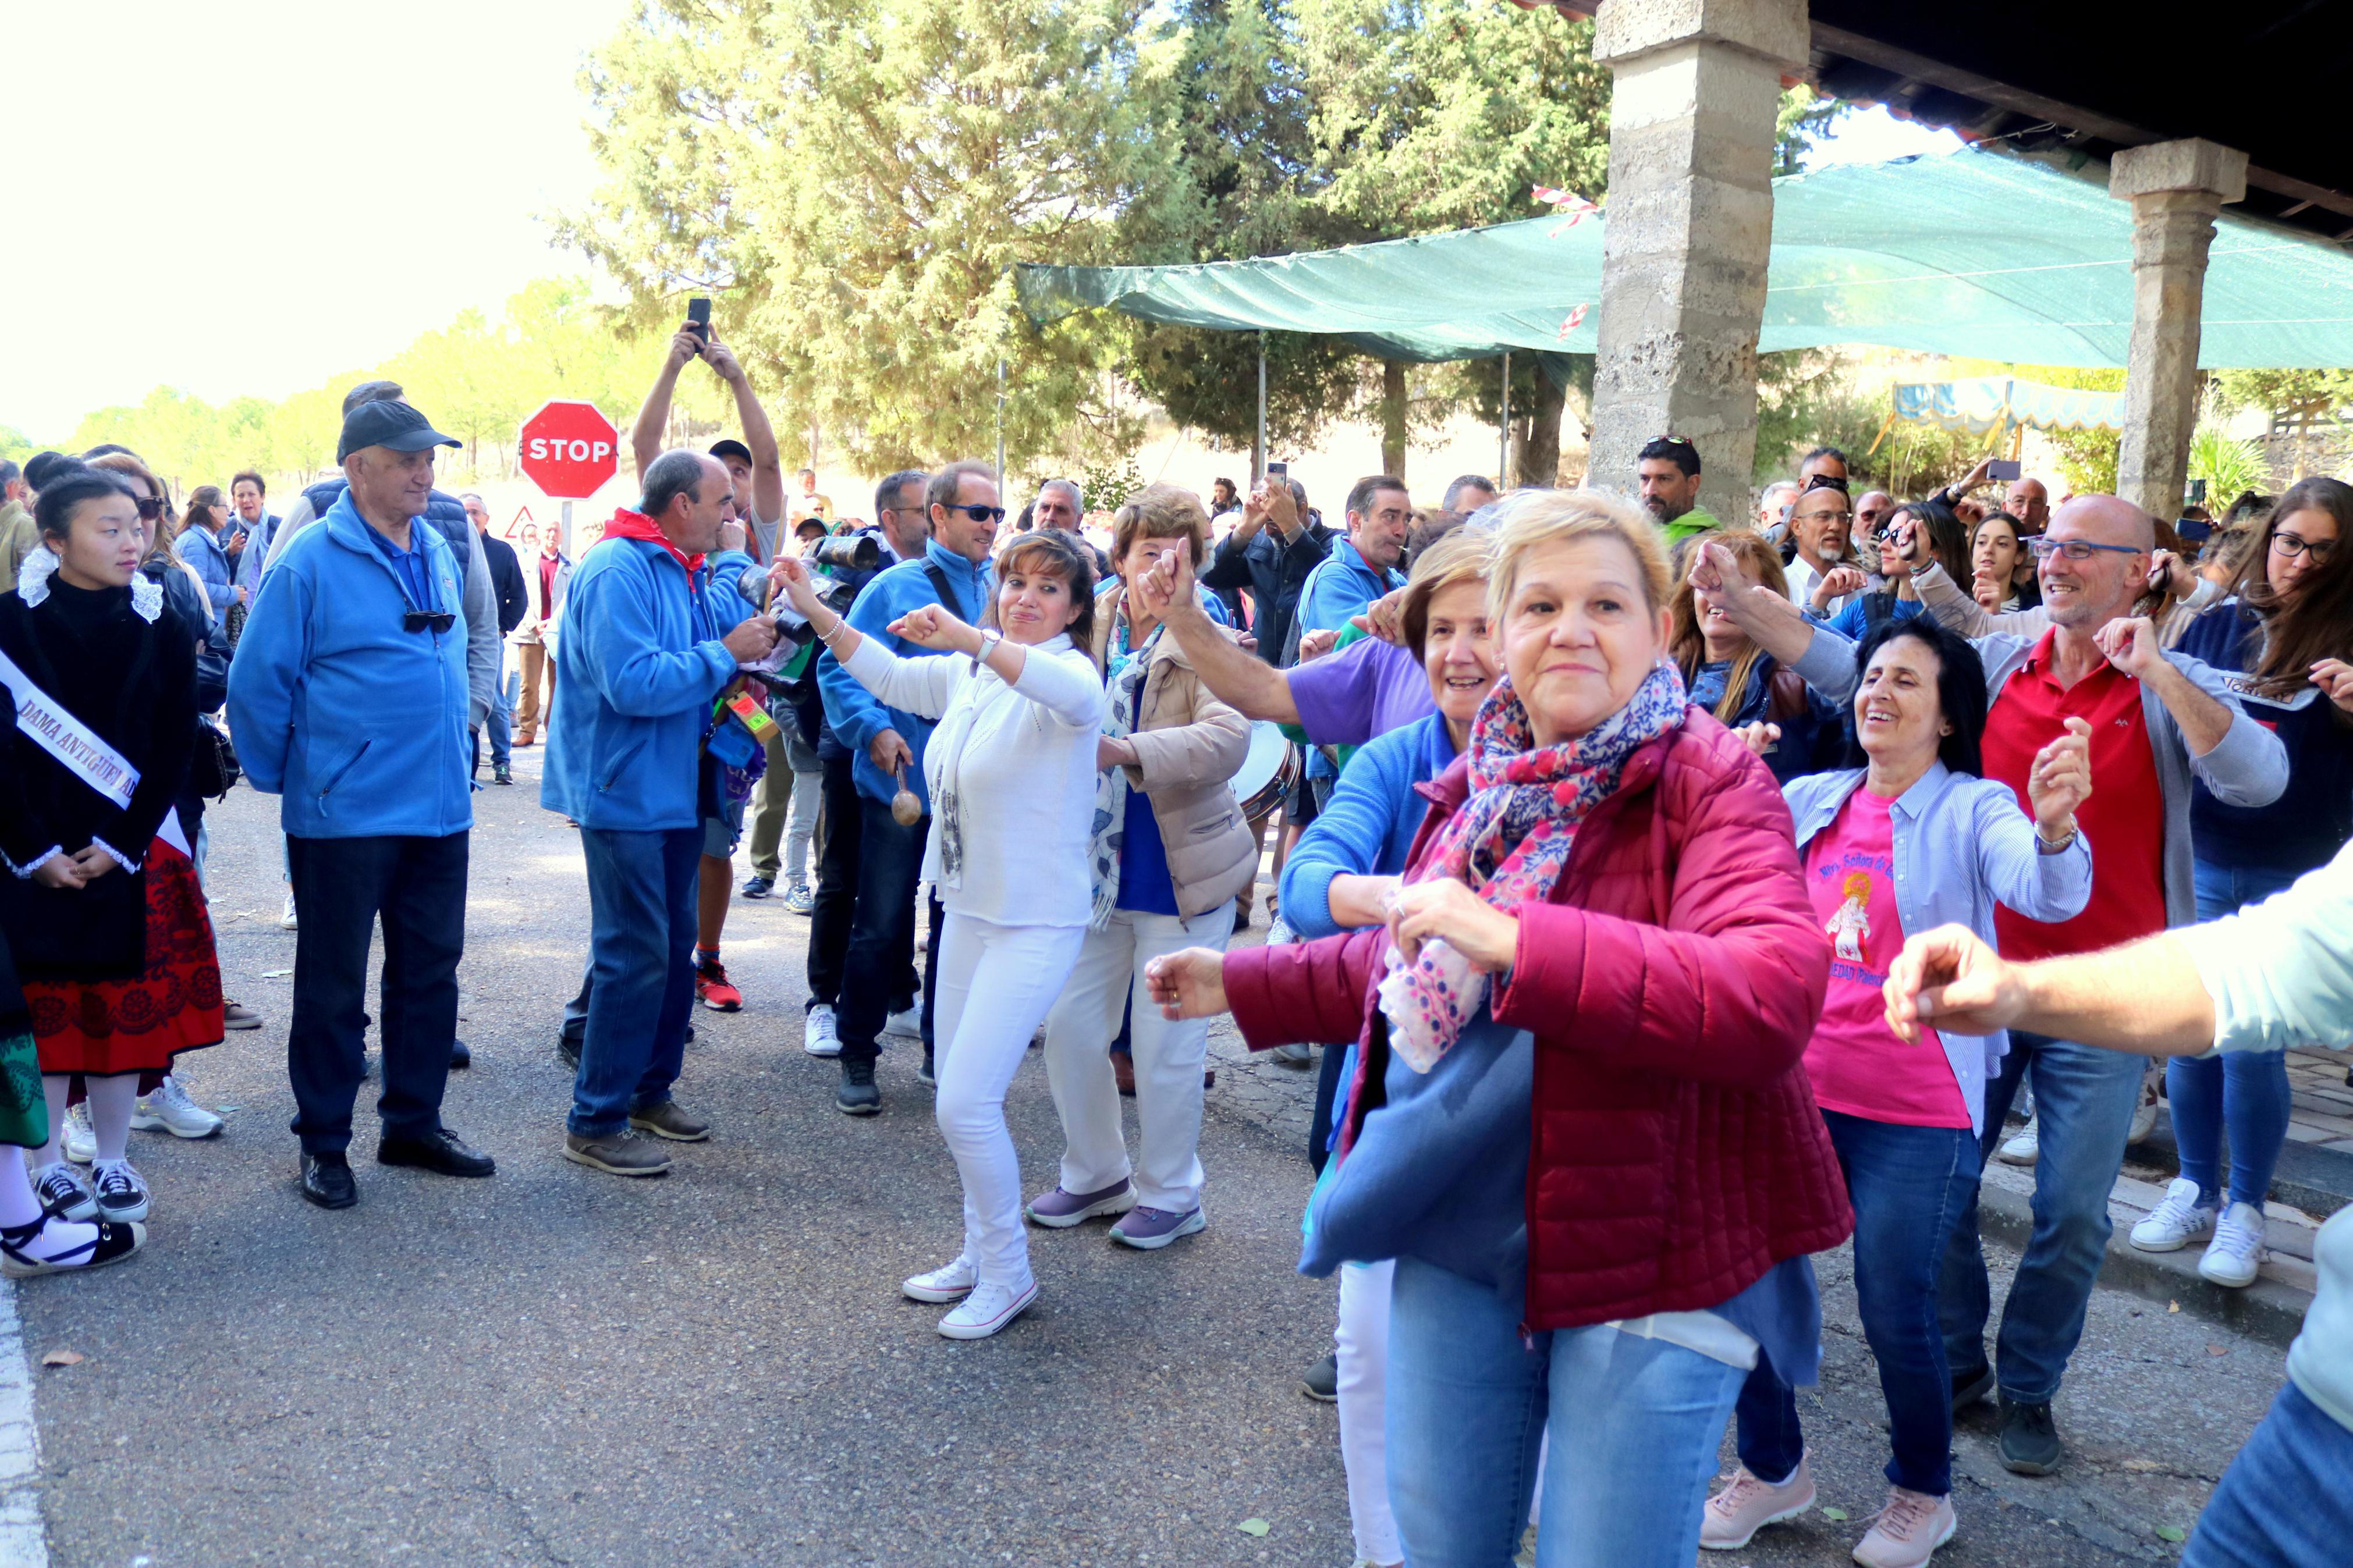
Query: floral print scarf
[[1510, 841]]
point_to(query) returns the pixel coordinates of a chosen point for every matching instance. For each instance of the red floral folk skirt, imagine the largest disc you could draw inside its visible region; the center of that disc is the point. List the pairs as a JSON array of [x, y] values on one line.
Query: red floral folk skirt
[[138, 1025]]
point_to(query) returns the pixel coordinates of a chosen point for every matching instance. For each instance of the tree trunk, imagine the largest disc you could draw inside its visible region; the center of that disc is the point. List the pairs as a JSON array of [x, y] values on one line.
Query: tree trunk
[[1393, 418], [1539, 459]]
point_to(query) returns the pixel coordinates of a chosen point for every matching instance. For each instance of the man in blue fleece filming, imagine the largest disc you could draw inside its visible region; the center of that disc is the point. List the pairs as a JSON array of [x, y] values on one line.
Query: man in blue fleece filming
[[643, 649], [348, 696]]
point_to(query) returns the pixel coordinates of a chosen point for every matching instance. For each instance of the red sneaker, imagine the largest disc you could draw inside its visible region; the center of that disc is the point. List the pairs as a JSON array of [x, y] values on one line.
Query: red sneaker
[[710, 988]]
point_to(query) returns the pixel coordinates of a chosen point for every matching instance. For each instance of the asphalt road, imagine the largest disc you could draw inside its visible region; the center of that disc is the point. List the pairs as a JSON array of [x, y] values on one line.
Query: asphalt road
[[559, 1366]]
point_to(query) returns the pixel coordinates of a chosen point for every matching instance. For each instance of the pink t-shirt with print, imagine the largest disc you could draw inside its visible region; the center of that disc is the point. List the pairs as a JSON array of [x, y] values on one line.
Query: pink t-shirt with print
[[1857, 1064]]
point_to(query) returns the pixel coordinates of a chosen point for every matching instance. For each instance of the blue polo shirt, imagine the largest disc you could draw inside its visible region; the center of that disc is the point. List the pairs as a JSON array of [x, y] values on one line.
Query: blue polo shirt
[[409, 565]]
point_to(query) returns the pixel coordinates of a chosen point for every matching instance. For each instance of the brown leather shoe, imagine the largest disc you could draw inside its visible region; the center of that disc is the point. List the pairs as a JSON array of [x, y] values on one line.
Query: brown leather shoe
[[667, 1120], [618, 1155]]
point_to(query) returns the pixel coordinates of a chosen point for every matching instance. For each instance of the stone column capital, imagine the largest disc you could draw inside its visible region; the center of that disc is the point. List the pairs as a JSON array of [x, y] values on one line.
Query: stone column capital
[[1774, 30], [2189, 165]]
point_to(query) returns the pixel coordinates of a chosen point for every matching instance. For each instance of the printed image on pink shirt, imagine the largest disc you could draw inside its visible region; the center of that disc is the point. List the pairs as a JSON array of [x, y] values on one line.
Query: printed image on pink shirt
[[1857, 1064]]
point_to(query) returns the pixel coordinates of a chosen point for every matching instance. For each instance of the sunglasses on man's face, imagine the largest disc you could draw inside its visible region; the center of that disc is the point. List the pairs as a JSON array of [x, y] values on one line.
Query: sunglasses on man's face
[[981, 513], [436, 621]]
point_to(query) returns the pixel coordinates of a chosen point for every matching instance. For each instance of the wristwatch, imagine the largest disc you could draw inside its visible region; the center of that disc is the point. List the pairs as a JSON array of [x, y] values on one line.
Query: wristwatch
[[988, 640], [2045, 846]]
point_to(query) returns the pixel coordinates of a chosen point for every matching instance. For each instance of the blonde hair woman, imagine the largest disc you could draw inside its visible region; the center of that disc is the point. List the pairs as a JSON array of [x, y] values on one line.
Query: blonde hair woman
[[1596, 1159], [1169, 853]]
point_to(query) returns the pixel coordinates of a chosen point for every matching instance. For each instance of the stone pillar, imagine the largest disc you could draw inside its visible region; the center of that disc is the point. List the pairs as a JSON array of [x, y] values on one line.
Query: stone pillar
[[2176, 189], [1689, 230]]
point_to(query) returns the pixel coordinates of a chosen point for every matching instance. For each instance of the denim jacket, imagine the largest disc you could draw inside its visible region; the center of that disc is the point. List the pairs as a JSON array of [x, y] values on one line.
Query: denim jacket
[[1961, 846]]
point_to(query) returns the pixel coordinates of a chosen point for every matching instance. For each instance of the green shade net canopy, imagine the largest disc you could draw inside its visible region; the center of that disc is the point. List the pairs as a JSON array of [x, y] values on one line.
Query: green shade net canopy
[[1981, 253]]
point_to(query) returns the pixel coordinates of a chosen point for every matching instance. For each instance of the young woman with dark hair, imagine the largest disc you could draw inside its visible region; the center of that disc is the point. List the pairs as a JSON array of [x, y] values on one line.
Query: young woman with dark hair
[[1793, 728], [2288, 628], [2002, 569], [1913, 839], [1011, 777], [104, 914]]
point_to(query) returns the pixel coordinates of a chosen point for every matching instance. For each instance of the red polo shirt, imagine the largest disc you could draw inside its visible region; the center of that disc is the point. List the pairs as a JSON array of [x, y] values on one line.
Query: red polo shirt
[[2123, 818]]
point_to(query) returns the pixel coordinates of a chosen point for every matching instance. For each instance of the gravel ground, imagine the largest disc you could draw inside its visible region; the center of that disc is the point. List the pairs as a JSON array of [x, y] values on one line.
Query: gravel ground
[[558, 1366]]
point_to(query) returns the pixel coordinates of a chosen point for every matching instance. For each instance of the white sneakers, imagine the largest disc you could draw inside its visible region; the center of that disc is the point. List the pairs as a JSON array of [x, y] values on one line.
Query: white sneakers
[[2237, 1250], [286, 921], [819, 1035], [2022, 1147], [2177, 1221], [907, 1023], [988, 1308], [82, 1138], [948, 1282], [169, 1109], [981, 1310]]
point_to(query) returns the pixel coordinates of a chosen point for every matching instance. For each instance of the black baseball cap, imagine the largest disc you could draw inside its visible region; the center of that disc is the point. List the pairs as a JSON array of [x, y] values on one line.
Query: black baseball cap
[[394, 426], [722, 450]]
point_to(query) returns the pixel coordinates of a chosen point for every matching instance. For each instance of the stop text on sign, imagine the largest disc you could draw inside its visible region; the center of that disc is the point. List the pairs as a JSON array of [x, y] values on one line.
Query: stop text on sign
[[568, 449]]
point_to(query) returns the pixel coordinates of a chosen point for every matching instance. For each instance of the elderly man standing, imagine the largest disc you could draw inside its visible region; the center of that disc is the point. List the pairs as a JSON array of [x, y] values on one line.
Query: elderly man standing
[[645, 646], [17, 533], [348, 695], [1061, 505]]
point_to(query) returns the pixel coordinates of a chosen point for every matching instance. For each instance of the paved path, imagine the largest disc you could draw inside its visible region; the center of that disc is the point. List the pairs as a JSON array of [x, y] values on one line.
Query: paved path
[[557, 1366]]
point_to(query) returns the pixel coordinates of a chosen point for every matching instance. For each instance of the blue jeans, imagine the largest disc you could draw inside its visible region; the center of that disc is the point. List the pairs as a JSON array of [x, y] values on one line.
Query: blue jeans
[[1635, 1427], [2246, 1091], [2283, 1503], [640, 986], [1908, 1184], [2084, 1103], [500, 722]]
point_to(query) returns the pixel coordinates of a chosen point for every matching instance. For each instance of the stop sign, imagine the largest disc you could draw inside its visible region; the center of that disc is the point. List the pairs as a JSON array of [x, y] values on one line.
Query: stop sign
[[567, 449]]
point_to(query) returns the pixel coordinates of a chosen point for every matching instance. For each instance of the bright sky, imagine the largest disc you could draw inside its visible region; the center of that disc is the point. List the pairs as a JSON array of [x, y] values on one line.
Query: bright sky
[[298, 189], [250, 196]]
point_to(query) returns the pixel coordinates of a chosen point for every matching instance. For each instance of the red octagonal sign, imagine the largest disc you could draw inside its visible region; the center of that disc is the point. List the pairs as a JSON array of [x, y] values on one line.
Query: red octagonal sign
[[567, 449]]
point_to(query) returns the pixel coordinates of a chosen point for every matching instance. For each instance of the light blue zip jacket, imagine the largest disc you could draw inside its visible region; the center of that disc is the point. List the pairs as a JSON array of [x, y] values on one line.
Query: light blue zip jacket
[[639, 663], [357, 723], [201, 549], [856, 714], [1962, 846]]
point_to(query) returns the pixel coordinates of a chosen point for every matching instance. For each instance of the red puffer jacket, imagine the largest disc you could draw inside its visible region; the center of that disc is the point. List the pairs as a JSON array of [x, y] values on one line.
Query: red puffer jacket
[[1670, 984]]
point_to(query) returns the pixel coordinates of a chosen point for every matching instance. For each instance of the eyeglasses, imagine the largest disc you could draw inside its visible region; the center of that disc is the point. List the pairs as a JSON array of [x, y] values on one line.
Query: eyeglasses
[[981, 513], [2294, 544], [436, 621], [2073, 549], [1677, 440]]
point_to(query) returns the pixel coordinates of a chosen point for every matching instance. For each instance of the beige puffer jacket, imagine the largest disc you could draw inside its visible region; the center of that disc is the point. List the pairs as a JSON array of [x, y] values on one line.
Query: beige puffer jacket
[[1191, 745]]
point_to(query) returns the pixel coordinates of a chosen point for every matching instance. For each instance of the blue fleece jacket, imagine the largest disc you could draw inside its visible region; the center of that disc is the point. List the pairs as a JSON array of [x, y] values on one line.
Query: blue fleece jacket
[[639, 662], [358, 723], [856, 714], [1369, 824]]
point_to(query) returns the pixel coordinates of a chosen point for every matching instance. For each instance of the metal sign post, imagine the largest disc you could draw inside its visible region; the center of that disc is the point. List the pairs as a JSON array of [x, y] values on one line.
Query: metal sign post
[[1503, 428], [1258, 453]]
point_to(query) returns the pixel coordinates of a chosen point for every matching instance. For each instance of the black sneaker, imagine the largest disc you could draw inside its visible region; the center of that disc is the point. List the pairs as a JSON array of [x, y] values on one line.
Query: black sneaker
[[502, 772], [1321, 1381], [1971, 1385], [2029, 1443], [858, 1096]]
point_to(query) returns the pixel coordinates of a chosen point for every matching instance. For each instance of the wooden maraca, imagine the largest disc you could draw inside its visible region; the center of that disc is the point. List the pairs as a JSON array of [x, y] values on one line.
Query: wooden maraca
[[905, 809]]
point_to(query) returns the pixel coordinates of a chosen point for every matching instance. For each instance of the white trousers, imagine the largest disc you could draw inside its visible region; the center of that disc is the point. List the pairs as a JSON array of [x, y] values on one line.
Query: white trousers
[[994, 985], [1168, 1059], [1362, 1345]]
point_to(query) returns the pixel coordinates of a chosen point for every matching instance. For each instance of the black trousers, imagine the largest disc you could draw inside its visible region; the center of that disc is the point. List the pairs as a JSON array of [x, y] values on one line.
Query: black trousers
[[840, 830], [879, 968], [342, 886]]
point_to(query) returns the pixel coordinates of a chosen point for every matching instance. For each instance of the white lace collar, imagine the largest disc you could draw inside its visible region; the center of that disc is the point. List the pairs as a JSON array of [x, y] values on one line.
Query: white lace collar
[[41, 564]]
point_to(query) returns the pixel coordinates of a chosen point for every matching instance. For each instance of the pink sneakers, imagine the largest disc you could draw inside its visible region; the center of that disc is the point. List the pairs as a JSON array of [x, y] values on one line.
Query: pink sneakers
[[1748, 1505], [1908, 1531]]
